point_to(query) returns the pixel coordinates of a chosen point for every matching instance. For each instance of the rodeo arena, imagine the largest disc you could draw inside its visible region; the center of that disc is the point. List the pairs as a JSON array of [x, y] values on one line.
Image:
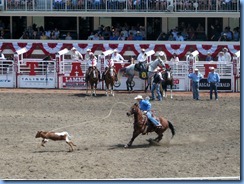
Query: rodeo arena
[[77, 90]]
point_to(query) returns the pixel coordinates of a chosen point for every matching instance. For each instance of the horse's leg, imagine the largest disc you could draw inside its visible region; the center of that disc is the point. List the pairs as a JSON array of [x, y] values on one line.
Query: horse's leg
[[171, 96], [135, 134], [95, 88]]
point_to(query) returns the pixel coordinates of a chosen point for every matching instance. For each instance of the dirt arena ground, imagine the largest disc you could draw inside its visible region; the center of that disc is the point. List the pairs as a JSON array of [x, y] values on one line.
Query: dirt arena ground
[[206, 144]]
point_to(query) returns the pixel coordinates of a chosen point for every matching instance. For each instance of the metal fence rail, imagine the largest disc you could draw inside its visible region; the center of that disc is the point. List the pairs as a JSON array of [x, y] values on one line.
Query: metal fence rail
[[122, 5]]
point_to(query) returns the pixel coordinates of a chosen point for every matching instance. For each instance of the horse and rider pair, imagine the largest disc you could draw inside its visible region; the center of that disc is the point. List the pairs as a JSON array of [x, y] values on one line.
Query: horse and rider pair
[[92, 63]]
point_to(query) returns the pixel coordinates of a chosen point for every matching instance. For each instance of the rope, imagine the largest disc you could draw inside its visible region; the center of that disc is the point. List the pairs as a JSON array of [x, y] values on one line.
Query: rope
[[95, 118]]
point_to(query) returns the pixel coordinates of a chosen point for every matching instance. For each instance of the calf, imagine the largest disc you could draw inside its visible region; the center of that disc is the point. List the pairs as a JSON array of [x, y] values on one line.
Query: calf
[[55, 137]]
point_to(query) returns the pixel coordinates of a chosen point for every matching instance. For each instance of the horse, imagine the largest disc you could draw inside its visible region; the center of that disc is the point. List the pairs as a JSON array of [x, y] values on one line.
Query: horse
[[55, 136], [110, 78], [168, 80], [93, 79], [130, 72], [143, 126]]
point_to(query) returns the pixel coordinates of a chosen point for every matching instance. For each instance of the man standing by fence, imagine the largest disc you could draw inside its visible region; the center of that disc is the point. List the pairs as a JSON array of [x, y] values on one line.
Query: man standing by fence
[[213, 79], [195, 77]]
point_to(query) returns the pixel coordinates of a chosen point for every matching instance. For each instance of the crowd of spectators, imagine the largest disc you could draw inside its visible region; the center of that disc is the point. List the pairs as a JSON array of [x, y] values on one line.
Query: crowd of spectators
[[183, 32]]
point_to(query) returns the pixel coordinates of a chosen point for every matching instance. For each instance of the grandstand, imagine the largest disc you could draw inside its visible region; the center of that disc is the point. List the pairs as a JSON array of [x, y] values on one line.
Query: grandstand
[[82, 17]]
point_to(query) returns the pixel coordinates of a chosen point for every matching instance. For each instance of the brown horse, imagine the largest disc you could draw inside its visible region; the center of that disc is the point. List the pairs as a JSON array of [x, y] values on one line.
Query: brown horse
[[110, 78], [93, 79], [55, 137], [143, 126]]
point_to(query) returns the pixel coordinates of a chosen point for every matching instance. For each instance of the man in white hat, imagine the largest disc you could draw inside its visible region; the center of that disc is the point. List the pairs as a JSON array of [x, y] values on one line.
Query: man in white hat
[[87, 55], [145, 106], [141, 60], [213, 79], [116, 57], [227, 55], [157, 79], [76, 55], [92, 63], [195, 77]]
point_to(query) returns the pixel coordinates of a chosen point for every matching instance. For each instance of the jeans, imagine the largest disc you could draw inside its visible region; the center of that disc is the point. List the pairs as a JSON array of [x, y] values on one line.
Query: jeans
[[157, 87], [154, 121], [213, 86], [195, 90]]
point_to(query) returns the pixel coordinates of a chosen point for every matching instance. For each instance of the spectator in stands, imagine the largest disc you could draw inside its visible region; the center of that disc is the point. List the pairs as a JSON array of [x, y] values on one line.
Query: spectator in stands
[[236, 34], [227, 55], [138, 36], [114, 36], [43, 36], [131, 36], [2, 55], [195, 77], [116, 57], [75, 54], [179, 37], [87, 55], [68, 36], [96, 37], [122, 36], [213, 79], [171, 37], [215, 31], [209, 57], [57, 33], [175, 58], [162, 36]]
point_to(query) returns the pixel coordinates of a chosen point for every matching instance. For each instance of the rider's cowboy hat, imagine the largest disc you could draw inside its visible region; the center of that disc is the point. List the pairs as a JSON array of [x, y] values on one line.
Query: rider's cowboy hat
[[161, 53], [196, 69], [142, 49], [73, 48], [88, 50], [115, 50], [211, 68], [138, 97]]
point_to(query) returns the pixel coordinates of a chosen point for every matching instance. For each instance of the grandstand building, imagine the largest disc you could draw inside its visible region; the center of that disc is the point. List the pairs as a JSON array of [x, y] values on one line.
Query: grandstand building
[[81, 18]]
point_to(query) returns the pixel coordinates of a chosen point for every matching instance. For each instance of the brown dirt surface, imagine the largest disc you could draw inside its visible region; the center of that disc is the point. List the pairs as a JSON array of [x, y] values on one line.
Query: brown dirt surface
[[206, 144]]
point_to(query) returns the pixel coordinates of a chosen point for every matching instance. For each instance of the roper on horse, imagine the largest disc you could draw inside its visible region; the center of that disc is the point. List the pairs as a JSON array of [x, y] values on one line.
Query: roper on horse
[[142, 125]]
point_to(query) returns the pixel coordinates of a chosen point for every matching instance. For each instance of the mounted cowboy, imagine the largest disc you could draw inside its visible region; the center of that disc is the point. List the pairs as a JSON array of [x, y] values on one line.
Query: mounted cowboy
[[92, 63], [145, 106], [141, 61], [109, 64]]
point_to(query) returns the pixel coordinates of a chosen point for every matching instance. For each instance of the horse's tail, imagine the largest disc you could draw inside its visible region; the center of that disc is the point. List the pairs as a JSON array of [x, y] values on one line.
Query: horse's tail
[[171, 127]]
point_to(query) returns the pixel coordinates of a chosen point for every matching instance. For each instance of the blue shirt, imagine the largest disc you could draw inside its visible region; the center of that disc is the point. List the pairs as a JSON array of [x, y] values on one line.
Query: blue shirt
[[145, 105], [213, 77], [195, 77]]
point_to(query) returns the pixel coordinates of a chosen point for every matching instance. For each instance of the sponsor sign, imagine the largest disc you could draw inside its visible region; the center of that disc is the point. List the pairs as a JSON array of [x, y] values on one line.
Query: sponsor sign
[[225, 84], [74, 82]]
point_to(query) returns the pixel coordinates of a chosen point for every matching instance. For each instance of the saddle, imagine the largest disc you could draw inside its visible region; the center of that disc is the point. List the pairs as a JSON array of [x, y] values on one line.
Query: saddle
[[142, 69]]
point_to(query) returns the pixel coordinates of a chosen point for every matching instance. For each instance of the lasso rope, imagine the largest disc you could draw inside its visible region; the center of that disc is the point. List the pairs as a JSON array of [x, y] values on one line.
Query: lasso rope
[[95, 118]]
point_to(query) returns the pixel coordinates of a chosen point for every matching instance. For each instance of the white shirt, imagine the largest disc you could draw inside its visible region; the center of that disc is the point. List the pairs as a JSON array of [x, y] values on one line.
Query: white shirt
[[92, 62], [227, 56], [109, 63], [117, 57], [76, 55], [221, 58], [175, 59], [142, 57]]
